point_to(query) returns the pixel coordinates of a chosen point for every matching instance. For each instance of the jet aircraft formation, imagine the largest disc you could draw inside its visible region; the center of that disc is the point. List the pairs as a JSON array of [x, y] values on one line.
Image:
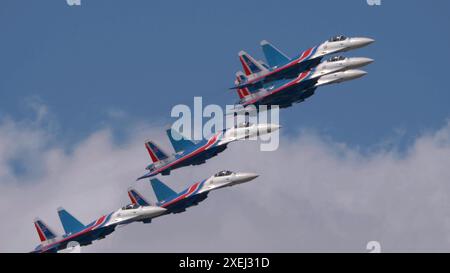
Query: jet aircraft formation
[[281, 81]]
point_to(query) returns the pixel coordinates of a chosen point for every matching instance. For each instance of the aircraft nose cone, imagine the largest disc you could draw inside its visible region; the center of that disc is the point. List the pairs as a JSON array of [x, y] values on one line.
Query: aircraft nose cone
[[152, 211], [267, 128], [360, 62], [274, 127], [245, 177], [354, 74], [365, 41], [362, 41]]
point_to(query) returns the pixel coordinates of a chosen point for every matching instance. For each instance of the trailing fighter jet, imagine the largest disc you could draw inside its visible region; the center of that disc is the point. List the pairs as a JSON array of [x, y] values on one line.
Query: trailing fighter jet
[[281, 66], [75, 231], [175, 202], [195, 153]]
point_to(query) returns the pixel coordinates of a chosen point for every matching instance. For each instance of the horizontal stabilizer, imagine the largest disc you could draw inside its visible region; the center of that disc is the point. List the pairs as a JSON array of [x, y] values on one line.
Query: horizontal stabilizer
[[179, 142], [274, 56], [44, 232], [162, 191], [137, 198], [70, 224]]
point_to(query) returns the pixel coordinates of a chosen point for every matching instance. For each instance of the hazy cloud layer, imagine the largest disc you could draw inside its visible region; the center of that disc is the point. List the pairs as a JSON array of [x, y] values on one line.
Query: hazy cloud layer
[[313, 194]]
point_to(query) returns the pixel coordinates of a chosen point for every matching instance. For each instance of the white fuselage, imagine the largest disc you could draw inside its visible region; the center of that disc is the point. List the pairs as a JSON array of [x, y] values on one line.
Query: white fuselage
[[216, 182], [247, 132], [328, 67], [332, 47], [140, 213]]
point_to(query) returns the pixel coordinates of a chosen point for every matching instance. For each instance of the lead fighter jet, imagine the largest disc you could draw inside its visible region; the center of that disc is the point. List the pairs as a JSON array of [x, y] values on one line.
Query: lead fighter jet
[[195, 153], [286, 92], [75, 231], [280, 66]]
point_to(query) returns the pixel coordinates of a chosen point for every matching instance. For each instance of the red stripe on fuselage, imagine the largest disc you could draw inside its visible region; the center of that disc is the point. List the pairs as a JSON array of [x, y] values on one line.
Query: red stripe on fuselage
[[305, 54], [211, 141], [302, 76], [190, 190], [99, 221]]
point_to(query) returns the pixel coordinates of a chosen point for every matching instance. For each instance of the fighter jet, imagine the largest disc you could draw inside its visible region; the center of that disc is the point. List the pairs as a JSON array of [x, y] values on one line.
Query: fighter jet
[[195, 153], [75, 231], [286, 92], [280, 66], [175, 202]]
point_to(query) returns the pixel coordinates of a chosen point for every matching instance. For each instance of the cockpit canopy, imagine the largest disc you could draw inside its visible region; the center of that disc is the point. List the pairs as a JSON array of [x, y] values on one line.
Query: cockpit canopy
[[336, 58], [337, 38], [130, 206], [223, 173]]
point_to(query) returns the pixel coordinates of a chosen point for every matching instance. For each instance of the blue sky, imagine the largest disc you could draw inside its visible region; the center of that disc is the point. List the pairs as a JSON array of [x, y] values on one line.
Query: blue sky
[[109, 63], [75, 81]]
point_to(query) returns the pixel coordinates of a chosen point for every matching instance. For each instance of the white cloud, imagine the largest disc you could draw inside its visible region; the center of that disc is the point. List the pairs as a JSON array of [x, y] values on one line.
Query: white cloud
[[313, 194]]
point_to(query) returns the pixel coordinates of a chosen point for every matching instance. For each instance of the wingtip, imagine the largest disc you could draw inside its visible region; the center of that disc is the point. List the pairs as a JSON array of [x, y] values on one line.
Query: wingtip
[[264, 42], [142, 177]]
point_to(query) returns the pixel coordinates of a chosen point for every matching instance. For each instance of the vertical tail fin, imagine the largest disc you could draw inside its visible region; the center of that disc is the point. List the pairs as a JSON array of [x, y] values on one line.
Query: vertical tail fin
[[242, 92], [156, 154], [137, 198], [69, 223], [44, 232], [179, 144], [249, 64], [274, 56], [162, 191]]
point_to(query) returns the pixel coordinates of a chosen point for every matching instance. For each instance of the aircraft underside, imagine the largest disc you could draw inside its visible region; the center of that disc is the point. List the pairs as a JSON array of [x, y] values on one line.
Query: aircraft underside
[[286, 99], [182, 205], [198, 159]]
